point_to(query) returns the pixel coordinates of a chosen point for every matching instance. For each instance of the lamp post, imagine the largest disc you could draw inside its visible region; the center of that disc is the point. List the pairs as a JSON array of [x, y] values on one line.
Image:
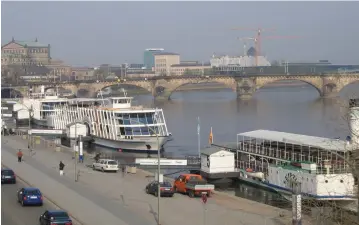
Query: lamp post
[[158, 168], [31, 114]]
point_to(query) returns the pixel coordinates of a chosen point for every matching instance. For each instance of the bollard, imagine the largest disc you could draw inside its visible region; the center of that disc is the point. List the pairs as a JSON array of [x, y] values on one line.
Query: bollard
[[37, 140]]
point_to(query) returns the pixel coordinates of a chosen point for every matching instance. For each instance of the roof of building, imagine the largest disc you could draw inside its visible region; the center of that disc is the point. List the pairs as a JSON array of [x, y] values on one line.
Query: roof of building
[[211, 150], [165, 53], [298, 139], [34, 43], [190, 64]]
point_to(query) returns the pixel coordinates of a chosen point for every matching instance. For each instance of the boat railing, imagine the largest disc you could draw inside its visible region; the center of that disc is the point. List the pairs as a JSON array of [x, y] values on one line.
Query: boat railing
[[287, 155], [254, 166]]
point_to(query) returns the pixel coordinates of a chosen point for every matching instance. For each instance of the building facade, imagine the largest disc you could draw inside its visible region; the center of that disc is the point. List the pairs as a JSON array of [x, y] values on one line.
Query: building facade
[[237, 62], [82, 73], [25, 53], [164, 61], [149, 58], [190, 68]]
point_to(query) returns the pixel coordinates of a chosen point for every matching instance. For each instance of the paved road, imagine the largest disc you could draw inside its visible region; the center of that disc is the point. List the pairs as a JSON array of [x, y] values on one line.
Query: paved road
[[12, 213], [122, 200]]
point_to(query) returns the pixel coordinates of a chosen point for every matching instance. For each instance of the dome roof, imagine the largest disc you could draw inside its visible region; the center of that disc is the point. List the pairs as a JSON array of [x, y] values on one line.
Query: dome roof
[[251, 51]]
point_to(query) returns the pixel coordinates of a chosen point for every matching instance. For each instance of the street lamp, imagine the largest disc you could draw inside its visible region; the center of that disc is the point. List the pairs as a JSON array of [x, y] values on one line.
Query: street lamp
[[31, 114], [158, 167]]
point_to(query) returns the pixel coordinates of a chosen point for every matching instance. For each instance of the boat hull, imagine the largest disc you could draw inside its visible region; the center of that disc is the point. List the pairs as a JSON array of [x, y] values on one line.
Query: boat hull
[[137, 145]]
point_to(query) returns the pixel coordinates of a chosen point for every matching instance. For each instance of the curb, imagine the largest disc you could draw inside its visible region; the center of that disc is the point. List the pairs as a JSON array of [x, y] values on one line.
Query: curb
[[75, 220]]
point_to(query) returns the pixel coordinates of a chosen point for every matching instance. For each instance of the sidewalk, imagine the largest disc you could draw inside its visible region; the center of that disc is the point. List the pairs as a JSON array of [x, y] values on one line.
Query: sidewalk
[[125, 198]]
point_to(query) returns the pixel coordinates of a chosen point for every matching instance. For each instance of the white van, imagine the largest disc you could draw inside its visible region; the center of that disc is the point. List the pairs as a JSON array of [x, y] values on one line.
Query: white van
[[106, 165]]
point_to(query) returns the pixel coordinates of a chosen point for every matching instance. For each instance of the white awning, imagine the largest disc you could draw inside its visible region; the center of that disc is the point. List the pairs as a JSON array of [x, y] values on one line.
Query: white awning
[[298, 139]]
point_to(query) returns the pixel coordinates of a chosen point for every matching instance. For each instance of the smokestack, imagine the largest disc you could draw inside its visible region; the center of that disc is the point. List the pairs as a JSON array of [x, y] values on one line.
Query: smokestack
[[354, 121]]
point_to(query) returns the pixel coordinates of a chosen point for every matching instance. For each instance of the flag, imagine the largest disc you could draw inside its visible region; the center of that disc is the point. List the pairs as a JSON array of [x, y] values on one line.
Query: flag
[[198, 127], [210, 137]]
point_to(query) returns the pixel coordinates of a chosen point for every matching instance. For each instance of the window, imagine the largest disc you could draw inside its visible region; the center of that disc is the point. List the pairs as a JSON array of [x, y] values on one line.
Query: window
[[142, 118], [59, 215], [128, 131], [111, 162], [149, 118], [32, 192]]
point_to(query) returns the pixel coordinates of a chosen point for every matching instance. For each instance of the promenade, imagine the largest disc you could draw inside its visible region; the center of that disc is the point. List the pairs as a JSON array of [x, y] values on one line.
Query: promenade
[[111, 199]]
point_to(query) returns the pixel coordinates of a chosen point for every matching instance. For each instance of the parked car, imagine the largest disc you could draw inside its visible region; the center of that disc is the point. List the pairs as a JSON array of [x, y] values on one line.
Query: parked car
[[55, 217], [165, 188], [106, 165], [29, 196], [8, 176], [193, 185]]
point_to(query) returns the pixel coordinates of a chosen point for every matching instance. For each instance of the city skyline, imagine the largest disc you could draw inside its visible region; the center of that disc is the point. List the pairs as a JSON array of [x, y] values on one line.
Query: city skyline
[[94, 33]]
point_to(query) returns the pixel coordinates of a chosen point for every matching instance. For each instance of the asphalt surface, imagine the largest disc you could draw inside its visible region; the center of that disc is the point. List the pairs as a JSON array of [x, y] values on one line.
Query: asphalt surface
[[12, 213]]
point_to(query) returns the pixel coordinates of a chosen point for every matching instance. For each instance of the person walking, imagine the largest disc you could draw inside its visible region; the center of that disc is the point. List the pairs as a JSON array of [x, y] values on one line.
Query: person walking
[[61, 167], [19, 155]]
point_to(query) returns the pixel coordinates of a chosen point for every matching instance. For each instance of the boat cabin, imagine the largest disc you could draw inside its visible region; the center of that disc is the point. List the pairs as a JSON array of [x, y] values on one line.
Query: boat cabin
[[120, 102], [217, 160]]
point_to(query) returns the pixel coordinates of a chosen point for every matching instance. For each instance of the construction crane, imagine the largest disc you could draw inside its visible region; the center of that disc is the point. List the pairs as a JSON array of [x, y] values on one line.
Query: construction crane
[[258, 38]]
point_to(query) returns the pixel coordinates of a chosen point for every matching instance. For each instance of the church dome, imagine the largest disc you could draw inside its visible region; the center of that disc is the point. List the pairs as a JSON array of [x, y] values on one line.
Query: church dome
[[251, 51]]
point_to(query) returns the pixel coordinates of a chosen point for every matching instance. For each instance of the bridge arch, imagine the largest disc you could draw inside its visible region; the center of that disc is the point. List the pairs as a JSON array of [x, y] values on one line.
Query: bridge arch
[[346, 84], [315, 83], [172, 87], [125, 86]]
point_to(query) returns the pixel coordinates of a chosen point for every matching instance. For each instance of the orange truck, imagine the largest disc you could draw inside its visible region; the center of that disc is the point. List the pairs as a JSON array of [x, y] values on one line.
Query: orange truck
[[193, 185]]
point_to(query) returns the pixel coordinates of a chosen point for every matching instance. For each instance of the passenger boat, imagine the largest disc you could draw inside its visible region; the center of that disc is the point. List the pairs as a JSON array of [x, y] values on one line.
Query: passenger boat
[[115, 123], [41, 104], [288, 163]]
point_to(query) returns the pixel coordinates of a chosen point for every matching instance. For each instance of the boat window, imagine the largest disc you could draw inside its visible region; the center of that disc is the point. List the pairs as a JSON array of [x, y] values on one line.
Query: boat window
[[126, 119], [134, 118], [128, 131], [145, 131], [149, 118], [136, 130], [108, 129], [142, 118], [105, 114]]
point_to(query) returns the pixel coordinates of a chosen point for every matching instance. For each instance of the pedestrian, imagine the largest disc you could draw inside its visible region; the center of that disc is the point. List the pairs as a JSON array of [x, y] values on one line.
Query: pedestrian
[[19, 155], [61, 167], [123, 170]]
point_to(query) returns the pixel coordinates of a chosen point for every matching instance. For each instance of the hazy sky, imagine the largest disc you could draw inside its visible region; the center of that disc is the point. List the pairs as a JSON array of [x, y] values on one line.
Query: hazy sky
[[92, 33]]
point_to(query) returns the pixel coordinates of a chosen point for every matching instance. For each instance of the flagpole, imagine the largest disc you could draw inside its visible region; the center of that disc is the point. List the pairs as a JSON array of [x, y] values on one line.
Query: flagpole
[[199, 138]]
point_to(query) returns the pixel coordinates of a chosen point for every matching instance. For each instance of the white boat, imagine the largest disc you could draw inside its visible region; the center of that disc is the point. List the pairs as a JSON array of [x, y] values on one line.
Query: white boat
[[42, 105], [115, 123], [287, 163], [307, 178]]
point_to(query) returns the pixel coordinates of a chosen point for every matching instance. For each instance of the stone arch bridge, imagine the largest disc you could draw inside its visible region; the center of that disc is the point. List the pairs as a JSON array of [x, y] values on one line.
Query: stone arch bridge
[[328, 85]]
